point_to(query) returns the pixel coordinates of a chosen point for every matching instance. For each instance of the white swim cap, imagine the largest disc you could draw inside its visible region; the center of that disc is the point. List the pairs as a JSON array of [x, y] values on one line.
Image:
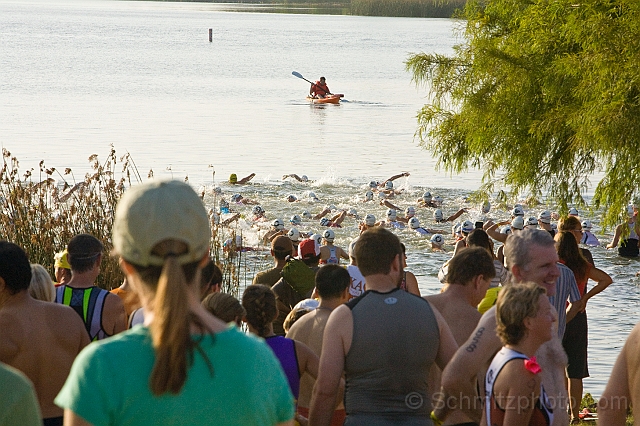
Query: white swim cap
[[373, 184], [630, 211], [235, 198], [291, 198], [316, 237], [410, 211], [257, 210], [426, 197], [312, 195], [506, 229], [295, 220], [391, 214], [532, 222], [304, 178], [517, 223], [329, 235], [437, 239], [382, 195], [324, 221], [368, 196], [573, 211], [306, 214], [414, 223], [586, 225], [545, 216], [517, 211], [438, 215], [278, 224], [437, 199], [294, 234], [370, 220], [467, 227], [388, 185]]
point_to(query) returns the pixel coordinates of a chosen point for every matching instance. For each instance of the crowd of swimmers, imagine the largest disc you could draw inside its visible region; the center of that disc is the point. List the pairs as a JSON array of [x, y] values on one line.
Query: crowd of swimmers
[[503, 343]]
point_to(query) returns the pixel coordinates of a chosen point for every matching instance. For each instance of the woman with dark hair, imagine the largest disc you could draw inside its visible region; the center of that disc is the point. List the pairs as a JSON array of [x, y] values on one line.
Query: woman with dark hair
[[480, 238], [259, 301], [513, 386], [183, 365], [575, 339]]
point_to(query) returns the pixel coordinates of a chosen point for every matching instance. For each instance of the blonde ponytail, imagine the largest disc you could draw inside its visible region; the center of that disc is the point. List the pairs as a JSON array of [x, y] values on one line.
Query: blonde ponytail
[[170, 330]]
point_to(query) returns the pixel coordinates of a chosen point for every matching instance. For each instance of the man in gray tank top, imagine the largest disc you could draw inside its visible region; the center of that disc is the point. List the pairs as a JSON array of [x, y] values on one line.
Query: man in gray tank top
[[385, 341]]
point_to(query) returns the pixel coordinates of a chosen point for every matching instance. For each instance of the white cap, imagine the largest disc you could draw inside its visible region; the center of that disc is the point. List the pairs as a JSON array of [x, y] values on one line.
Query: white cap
[[437, 215], [414, 223], [517, 223], [586, 225], [437, 239], [517, 211], [486, 207], [370, 220], [294, 234], [545, 216], [467, 226], [573, 211], [532, 222]]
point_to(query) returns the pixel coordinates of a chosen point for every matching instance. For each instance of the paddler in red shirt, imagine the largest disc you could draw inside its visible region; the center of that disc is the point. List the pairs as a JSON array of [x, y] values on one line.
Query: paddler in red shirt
[[319, 89]]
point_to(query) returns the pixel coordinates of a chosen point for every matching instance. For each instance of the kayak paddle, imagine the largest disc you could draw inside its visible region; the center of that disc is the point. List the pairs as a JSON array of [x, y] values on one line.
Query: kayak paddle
[[297, 74]]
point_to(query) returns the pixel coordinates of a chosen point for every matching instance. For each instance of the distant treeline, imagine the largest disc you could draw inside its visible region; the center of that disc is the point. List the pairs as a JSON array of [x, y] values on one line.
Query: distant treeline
[[403, 8]]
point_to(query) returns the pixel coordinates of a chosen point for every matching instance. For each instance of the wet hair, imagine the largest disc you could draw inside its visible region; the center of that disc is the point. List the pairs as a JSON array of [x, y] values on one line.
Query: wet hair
[[260, 303], [569, 223], [331, 281], [83, 252], [518, 247], [294, 316], [516, 302], [571, 255], [15, 268], [170, 329], [479, 238], [468, 264], [281, 254], [41, 286], [224, 306], [211, 275], [376, 250]]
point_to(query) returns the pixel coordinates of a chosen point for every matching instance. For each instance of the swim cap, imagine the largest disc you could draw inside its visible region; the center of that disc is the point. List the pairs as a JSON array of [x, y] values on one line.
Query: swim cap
[[304, 178], [368, 196], [391, 214], [437, 239], [426, 197], [235, 198], [532, 222], [233, 178], [467, 227], [295, 220], [294, 234], [517, 223], [414, 223], [329, 235], [517, 211], [410, 211], [545, 216], [291, 198], [574, 212], [586, 225], [60, 260], [486, 207], [438, 215], [370, 220], [324, 221], [278, 224], [388, 185], [306, 214], [257, 210]]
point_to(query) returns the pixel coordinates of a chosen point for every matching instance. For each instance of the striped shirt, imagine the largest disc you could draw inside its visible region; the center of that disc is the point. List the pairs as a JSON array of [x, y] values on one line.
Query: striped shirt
[[566, 289]]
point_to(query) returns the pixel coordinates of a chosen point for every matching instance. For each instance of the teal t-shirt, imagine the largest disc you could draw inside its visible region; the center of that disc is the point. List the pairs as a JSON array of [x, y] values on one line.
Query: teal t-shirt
[[109, 384], [18, 402]]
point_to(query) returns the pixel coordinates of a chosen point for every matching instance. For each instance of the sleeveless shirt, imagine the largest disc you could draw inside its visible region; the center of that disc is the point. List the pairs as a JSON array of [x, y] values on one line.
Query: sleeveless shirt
[[395, 341], [542, 415], [285, 351], [89, 304]]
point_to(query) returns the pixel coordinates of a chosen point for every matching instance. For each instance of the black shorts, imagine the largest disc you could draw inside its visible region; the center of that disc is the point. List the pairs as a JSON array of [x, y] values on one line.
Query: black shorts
[[575, 343]]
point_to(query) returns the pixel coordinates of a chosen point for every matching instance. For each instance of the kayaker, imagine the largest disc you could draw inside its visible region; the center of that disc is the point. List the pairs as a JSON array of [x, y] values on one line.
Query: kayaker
[[319, 89]]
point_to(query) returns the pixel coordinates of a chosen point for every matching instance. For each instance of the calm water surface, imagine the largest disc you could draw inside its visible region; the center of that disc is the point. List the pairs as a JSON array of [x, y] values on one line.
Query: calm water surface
[[78, 76]]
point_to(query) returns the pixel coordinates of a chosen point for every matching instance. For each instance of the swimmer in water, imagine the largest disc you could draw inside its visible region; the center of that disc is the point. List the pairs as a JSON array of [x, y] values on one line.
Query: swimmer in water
[[233, 179], [302, 178]]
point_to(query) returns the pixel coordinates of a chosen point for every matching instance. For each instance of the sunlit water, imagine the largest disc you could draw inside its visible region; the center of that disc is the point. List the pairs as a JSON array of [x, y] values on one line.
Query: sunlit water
[[76, 77]]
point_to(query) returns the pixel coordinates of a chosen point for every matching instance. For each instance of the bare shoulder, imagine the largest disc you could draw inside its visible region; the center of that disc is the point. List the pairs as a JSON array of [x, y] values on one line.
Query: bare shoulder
[[113, 301], [64, 316]]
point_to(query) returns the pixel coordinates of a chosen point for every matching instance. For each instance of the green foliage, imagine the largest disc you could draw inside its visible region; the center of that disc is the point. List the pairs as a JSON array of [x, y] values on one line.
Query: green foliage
[[540, 95], [406, 8]]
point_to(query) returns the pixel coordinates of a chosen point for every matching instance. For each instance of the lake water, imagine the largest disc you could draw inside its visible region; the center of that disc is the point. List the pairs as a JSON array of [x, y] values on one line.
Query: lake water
[[79, 76]]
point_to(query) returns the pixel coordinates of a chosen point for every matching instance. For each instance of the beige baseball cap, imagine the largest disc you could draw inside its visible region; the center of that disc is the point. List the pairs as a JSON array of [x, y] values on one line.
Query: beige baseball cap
[[152, 212]]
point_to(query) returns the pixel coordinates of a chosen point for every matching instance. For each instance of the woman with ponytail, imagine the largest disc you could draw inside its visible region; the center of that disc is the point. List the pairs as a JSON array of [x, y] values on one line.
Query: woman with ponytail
[[296, 358], [183, 366]]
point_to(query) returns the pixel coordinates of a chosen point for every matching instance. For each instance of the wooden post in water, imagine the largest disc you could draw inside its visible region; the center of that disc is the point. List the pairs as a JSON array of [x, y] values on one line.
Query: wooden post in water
[[210, 35]]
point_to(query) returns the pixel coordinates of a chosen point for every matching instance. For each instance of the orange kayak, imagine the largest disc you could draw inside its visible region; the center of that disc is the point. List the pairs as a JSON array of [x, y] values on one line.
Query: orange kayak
[[332, 99]]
